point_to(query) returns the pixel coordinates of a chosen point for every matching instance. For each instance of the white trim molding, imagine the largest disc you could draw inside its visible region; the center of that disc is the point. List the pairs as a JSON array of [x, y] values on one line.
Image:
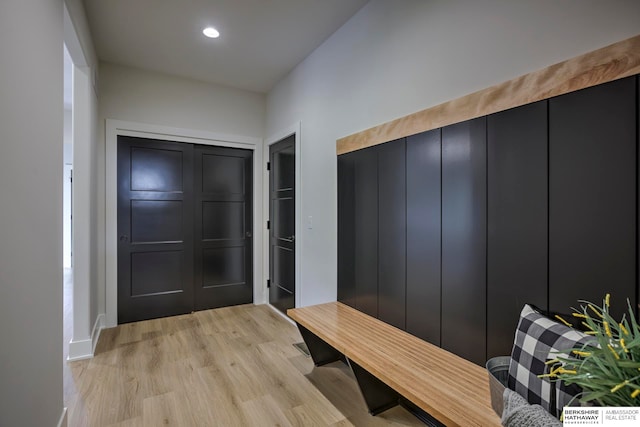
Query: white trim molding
[[85, 349], [281, 314], [294, 129], [63, 418], [115, 128]]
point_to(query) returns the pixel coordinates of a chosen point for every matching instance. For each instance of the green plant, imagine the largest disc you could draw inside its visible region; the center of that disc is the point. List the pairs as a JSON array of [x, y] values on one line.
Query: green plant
[[608, 368]]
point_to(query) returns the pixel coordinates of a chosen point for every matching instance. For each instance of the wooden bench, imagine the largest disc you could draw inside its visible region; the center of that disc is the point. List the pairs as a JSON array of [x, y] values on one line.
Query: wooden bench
[[390, 364]]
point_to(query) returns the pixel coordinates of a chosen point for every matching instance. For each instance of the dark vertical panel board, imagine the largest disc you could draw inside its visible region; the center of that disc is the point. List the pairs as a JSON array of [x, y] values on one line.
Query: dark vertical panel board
[[423, 235], [392, 229], [366, 230], [592, 196], [516, 220], [464, 239], [346, 230]]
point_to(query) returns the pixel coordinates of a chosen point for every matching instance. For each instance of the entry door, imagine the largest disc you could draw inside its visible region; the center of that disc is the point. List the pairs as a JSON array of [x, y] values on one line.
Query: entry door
[[155, 229], [224, 224], [184, 228], [282, 209]]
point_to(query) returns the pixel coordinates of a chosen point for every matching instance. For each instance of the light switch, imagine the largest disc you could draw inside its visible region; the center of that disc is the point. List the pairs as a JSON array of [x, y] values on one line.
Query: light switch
[[309, 222]]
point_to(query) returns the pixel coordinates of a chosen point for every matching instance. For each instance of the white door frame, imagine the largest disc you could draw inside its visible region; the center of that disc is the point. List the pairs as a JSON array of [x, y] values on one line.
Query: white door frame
[[115, 128], [83, 338], [294, 129]]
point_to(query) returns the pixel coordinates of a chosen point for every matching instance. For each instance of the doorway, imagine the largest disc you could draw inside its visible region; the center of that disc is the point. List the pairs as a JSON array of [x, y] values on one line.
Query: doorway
[[282, 224], [84, 320], [185, 227], [67, 281]]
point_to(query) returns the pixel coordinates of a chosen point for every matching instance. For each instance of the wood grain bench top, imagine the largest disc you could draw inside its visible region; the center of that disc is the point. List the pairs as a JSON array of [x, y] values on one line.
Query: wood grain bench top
[[448, 387]]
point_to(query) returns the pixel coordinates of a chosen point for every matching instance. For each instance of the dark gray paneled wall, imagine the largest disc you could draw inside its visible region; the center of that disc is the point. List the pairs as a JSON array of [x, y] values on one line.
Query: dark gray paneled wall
[[537, 204], [346, 229], [424, 235], [392, 229], [359, 223], [592, 195], [464, 239], [517, 213]]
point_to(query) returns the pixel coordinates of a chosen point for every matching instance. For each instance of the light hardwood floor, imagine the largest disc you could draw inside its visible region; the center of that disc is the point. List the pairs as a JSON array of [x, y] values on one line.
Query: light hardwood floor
[[234, 366]]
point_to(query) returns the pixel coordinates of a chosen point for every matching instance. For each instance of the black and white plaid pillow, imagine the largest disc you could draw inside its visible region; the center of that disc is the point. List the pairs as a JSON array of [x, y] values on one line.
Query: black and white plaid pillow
[[537, 340]]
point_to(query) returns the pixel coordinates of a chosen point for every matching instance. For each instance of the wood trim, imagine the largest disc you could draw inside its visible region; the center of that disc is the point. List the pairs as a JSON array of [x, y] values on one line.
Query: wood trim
[[609, 63]]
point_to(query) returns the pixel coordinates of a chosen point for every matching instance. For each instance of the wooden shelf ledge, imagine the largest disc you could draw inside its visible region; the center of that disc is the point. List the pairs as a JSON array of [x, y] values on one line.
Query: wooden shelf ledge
[[609, 63]]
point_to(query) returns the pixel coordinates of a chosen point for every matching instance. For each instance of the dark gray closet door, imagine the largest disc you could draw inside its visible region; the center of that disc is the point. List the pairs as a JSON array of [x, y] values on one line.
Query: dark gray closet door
[[392, 229], [464, 243], [592, 196], [155, 229], [423, 235], [223, 227], [517, 220]]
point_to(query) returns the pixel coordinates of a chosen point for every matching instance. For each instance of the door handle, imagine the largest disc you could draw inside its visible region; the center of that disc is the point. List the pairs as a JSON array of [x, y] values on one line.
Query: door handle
[[124, 238], [291, 238], [248, 234]]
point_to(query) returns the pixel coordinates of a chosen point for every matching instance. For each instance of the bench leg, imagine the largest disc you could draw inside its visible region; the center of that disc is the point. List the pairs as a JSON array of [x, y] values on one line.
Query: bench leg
[[378, 396], [420, 414], [321, 352]]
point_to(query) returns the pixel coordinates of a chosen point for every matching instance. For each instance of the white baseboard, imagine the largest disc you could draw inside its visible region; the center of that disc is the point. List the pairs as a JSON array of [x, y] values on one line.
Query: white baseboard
[[79, 350], [84, 349], [63, 418], [95, 334], [284, 316]]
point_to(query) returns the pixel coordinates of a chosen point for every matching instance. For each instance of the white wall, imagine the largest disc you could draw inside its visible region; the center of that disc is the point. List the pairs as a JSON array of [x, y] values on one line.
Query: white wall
[[68, 154], [31, 131], [86, 187], [146, 97], [81, 26], [66, 191], [396, 57]]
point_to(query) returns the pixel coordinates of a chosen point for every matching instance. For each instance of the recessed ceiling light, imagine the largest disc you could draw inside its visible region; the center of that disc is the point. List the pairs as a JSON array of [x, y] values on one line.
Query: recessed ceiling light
[[211, 32]]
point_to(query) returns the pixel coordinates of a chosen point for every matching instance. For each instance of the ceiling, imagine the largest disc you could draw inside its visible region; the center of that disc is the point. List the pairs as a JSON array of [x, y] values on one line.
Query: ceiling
[[260, 40]]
